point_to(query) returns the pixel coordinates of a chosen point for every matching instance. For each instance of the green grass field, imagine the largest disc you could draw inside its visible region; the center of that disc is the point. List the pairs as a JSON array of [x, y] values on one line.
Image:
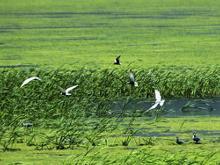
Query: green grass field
[[91, 33], [160, 149], [171, 45]]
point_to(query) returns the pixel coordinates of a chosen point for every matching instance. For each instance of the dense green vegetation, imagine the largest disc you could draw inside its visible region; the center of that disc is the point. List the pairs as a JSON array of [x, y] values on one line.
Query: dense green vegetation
[[85, 122], [91, 33], [111, 83], [171, 45]]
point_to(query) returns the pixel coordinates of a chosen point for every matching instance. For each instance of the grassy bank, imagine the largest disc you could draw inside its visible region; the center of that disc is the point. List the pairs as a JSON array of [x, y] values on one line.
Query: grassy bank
[[110, 148]]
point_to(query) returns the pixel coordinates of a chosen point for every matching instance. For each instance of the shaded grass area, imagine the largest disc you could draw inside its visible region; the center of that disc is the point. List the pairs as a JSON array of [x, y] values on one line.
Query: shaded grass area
[[144, 149], [91, 33]]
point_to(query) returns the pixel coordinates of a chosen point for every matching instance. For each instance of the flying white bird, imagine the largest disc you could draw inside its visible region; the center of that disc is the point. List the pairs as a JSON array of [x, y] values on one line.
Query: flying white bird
[[29, 80], [117, 61], [132, 80], [67, 91], [158, 100]]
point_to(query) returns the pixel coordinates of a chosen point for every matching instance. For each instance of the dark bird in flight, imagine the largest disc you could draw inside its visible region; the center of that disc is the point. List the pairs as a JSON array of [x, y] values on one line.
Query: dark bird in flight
[[117, 61]]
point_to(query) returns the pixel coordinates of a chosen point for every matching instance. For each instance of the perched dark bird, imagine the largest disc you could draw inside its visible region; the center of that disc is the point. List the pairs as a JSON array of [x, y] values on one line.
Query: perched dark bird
[[117, 61], [179, 141], [196, 139], [132, 80]]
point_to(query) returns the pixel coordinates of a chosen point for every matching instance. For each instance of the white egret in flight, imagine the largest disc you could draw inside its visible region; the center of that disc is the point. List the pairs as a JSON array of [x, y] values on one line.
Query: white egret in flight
[[29, 80], [158, 101]]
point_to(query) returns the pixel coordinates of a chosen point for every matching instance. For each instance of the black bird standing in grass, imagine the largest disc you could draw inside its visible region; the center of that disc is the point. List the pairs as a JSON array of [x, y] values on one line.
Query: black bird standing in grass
[[117, 61], [196, 139], [179, 141]]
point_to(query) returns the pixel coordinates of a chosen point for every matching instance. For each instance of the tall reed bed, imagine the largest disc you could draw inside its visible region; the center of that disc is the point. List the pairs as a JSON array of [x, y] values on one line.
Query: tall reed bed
[[84, 116], [99, 87]]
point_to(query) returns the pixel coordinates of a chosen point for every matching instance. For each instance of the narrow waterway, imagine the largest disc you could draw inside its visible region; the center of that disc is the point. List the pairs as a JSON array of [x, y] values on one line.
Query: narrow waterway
[[172, 107]]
